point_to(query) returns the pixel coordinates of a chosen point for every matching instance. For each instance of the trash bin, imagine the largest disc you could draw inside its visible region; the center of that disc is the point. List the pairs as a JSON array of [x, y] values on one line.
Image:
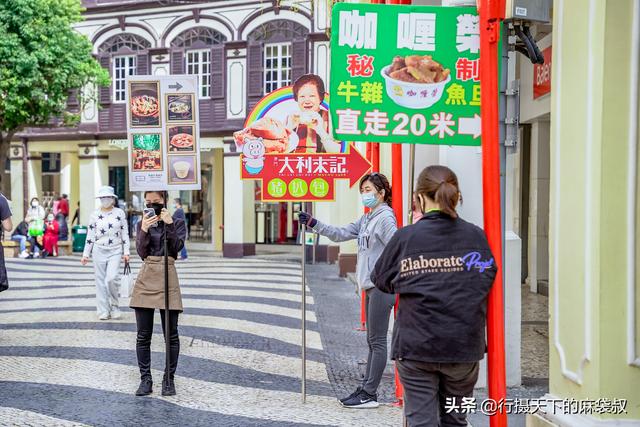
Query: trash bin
[[79, 233]]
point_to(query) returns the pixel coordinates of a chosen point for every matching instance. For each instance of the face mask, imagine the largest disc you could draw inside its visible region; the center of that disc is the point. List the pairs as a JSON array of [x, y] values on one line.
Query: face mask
[[157, 207], [175, 206], [50, 218], [106, 202], [35, 204], [369, 200]]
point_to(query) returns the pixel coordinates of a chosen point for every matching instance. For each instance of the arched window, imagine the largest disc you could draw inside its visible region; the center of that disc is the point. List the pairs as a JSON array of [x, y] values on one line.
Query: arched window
[[278, 31], [277, 56], [124, 55], [199, 51], [124, 41], [198, 37]]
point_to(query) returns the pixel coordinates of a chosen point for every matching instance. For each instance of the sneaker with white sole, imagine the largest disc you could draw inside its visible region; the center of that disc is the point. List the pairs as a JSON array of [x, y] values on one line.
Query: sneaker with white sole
[[116, 313], [24, 254], [356, 392], [103, 317], [362, 400]]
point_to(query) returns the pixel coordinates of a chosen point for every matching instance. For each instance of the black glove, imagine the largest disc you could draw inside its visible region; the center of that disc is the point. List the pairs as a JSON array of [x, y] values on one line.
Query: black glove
[[307, 219]]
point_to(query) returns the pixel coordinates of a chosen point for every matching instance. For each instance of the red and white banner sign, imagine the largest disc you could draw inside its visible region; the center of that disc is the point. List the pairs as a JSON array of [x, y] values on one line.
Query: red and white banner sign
[[542, 75]]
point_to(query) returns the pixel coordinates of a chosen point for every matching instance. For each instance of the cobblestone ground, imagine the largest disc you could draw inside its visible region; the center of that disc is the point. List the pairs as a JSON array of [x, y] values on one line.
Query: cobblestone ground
[[239, 363]]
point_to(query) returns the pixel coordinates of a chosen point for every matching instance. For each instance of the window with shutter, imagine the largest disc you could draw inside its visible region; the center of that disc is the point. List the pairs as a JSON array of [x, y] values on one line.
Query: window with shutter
[[299, 58], [255, 76], [142, 66], [177, 62], [200, 51], [123, 67], [105, 91], [218, 71]]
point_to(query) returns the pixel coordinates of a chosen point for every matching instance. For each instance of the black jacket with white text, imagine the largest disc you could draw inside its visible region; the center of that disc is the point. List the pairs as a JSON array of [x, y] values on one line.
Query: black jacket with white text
[[443, 269]]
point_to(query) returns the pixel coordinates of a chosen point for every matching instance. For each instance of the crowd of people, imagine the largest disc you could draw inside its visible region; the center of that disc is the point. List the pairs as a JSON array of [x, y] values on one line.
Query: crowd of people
[[42, 228], [441, 269]]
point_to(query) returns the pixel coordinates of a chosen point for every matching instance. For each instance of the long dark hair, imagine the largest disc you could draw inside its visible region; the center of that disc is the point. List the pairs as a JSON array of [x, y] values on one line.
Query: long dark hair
[[380, 182], [162, 194], [440, 184]]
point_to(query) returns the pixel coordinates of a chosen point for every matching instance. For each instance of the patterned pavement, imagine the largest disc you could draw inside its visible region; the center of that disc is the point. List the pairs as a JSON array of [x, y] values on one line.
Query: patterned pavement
[[239, 363]]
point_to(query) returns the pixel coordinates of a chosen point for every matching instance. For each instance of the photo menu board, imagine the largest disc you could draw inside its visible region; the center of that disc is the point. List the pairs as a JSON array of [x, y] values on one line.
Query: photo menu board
[[163, 133]]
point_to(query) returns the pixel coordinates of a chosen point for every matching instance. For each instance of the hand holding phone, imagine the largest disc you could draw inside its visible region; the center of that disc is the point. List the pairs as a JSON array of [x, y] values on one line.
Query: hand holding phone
[[149, 219]]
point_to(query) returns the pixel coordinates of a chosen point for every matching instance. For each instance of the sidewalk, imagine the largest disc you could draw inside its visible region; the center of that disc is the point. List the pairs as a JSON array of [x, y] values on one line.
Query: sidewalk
[[338, 311]]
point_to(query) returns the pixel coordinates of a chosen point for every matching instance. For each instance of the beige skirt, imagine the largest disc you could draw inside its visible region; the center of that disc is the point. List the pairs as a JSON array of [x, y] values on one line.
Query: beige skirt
[[148, 292]]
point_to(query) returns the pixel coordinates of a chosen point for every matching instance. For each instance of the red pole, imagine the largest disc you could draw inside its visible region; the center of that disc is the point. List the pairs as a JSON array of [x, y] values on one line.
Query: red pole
[[491, 12]]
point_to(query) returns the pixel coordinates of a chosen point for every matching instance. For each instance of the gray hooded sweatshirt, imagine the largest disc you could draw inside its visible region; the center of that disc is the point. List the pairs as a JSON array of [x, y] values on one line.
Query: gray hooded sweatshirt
[[373, 231]]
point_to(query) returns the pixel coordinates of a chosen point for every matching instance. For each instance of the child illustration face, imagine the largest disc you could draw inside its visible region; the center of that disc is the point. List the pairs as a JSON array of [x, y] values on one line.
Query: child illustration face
[[309, 98], [253, 148]]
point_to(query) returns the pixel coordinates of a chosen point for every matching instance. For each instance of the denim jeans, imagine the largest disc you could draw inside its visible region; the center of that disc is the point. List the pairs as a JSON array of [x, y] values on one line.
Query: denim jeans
[[22, 240]]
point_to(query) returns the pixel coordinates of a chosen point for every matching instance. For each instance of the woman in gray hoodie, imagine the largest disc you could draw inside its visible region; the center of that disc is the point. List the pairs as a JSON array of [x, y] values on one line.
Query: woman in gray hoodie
[[373, 231]]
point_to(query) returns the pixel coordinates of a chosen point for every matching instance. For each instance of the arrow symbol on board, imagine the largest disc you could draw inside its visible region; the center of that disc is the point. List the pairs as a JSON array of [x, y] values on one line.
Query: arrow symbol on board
[[176, 86], [470, 126]]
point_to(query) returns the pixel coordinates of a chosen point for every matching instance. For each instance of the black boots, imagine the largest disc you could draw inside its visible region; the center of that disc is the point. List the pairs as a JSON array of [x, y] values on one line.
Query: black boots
[[146, 387], [168, 386]]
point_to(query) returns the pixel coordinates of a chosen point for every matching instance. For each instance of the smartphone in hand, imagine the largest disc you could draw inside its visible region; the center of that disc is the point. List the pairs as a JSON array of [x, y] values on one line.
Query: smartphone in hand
[[150, 213]]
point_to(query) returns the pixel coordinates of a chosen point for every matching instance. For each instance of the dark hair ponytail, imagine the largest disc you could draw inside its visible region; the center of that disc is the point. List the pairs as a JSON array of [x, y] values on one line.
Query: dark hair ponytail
[[440, 184]]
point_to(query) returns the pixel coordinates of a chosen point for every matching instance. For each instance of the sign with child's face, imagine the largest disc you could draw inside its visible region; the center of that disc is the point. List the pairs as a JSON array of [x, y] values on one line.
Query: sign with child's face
[[287, 145]]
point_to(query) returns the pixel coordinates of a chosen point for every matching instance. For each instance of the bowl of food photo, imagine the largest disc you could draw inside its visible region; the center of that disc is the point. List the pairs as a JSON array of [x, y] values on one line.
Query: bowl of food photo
[[415, 81]]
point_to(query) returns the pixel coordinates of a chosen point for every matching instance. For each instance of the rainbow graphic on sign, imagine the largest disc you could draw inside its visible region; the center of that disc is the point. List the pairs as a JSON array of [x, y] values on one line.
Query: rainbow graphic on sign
[[274, 100]]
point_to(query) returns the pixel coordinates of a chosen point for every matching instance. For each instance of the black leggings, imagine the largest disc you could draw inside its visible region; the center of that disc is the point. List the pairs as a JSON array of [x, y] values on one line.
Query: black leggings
[[144, 320]]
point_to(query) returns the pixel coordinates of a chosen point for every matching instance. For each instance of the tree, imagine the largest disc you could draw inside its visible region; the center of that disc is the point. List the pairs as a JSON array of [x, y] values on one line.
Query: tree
[[42, 58]]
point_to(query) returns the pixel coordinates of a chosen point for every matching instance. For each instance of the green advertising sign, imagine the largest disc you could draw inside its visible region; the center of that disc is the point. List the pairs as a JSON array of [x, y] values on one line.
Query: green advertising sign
[[405, 74]]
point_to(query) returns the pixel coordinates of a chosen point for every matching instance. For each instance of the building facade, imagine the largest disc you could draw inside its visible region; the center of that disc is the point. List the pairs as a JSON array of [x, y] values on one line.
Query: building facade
[[240, 50]]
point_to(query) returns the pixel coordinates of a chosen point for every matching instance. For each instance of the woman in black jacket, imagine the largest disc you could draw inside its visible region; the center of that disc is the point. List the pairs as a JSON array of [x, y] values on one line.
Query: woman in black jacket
[[148, 291], [443, 269]]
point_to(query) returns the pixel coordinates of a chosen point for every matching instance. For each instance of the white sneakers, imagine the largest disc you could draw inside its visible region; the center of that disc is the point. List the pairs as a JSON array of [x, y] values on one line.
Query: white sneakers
[[103, 317], [23, 254], [116, 313]]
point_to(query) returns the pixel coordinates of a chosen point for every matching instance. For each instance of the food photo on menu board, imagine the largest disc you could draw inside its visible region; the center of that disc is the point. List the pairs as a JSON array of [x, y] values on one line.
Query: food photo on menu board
[[182, 169], [147, 152], [144, 106], [181, 139], [180, 107]]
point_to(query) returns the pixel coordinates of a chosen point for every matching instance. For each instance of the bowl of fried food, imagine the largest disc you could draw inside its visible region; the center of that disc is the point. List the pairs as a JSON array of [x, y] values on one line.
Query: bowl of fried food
[[415, 81]]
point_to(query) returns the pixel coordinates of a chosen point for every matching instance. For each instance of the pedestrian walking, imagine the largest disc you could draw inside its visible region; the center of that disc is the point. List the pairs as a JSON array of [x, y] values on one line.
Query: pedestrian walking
[[107, 244], [443, 282], [373, 231], [178, 214], [7, 225], [148, 291]]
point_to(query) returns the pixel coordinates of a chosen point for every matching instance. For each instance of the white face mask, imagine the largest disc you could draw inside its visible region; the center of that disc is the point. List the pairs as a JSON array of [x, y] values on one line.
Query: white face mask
[[106, 202], [35, 204], [50, 218]]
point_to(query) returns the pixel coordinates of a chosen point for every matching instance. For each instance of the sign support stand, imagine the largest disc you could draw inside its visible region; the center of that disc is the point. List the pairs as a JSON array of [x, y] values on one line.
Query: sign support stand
[[167, 315], [304, 314]]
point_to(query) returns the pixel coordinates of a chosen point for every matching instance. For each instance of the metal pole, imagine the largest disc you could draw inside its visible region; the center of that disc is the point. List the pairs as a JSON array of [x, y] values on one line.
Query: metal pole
[[490, 12], [304, 314], [167, 315], [412, 172]]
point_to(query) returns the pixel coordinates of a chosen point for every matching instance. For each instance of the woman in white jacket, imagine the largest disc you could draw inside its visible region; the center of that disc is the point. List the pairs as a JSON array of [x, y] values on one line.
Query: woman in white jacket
[[373, 231], [107, 243]]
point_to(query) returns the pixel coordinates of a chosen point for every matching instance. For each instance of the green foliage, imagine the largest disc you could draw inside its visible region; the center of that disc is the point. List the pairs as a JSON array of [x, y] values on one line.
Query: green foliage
[[42, 58]]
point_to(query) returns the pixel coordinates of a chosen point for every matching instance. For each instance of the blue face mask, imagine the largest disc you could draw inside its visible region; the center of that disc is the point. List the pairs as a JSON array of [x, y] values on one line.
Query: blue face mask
[[369, 200]]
